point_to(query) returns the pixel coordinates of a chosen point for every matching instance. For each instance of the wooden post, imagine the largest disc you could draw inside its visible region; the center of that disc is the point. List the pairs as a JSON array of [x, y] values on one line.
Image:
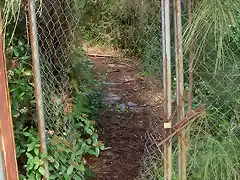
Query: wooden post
[[7, 142]]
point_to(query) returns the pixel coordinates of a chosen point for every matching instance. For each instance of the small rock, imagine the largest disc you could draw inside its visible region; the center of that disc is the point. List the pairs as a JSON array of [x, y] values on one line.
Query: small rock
[[111, 98], [122, 107], [111, 65], [131, 104], [136, 109], [110, 83]]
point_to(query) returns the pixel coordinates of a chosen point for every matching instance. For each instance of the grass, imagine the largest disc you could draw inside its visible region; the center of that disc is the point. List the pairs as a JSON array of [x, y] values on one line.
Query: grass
[[215, 140], [214, 151]]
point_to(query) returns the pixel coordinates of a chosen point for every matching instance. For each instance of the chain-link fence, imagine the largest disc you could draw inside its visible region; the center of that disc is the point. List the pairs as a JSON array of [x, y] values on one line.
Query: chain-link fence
[[211, 82], [211, 79], [66, 132], [216, 79]]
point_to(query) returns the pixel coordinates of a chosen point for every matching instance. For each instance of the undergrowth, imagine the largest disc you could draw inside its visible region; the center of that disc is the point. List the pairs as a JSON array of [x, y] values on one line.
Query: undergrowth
[[66, 151], [135, 26], [214, 155]]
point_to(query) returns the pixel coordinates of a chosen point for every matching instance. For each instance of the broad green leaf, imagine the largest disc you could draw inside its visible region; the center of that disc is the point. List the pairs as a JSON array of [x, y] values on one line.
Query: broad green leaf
[[80, 168], [29, 156], [70, 170], [36, 159], [30, 165], [91, 152], [79, 152], [20, 43], [97, 151], [95, 139], [22, 177], [53, 177], [36, 151], [38, 176], [89, 141], [36, 166], [102, 147], [32, 176], [79, 124], [27, 73], [41, 170], [66, 177], [30, 146], [27, 134], [73, 157], [88, 130]]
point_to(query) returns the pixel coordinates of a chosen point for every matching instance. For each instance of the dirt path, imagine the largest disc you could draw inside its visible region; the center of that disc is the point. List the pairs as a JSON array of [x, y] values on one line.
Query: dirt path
[[131, 101]]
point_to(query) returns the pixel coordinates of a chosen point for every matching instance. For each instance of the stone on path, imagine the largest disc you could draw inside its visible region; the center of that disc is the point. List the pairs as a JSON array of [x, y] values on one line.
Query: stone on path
[[112, 98], [131, 104]]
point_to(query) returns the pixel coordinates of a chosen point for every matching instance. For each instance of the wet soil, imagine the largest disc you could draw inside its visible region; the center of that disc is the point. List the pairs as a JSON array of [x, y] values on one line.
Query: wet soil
[[131, 101]]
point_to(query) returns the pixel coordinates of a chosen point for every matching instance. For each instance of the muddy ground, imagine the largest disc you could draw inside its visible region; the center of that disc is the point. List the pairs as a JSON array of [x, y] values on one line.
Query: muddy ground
[[131, 101]]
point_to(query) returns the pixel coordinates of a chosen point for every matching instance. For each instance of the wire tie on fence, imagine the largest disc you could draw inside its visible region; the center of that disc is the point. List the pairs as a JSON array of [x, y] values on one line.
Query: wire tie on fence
[[168, 125]]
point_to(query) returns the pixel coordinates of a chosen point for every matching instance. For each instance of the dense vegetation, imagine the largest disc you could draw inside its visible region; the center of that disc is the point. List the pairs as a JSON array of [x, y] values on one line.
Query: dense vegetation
[[67, 148], [135, 26]]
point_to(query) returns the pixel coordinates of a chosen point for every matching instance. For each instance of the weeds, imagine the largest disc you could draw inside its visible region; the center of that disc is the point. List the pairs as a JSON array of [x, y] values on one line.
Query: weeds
[[78, 138], [215, 30]]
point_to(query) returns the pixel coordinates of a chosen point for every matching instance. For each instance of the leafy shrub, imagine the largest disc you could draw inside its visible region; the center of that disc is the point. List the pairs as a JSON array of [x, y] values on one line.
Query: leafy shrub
[[136, 28], [66, 151]]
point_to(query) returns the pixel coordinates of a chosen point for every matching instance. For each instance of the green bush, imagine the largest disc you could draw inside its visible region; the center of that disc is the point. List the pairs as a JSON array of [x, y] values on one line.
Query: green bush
[[135, 26], [66, 150]]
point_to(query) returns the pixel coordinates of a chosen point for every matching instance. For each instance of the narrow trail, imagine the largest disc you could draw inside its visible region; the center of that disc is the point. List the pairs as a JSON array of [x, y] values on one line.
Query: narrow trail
[[131, 101]]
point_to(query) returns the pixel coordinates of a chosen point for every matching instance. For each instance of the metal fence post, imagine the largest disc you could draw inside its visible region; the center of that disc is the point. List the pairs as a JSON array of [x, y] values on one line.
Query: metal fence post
[[7, 142], [167, 86], [180, 86], [37, 81]]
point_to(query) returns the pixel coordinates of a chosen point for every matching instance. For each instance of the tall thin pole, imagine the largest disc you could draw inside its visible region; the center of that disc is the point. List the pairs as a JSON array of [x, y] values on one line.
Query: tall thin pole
[[190, 68], [37, 81], [167, 86], [180, 86], [191, 56], [7, 143]]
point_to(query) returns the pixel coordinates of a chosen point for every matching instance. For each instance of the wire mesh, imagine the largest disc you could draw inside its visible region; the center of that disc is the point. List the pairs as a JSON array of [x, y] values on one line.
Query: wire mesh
[[214, 136], [57, 24]]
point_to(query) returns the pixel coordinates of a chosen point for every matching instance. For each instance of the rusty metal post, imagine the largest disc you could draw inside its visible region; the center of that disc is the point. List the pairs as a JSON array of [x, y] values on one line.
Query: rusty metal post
[[37, 80], [7, 142], [167, 86], [180, 86]]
